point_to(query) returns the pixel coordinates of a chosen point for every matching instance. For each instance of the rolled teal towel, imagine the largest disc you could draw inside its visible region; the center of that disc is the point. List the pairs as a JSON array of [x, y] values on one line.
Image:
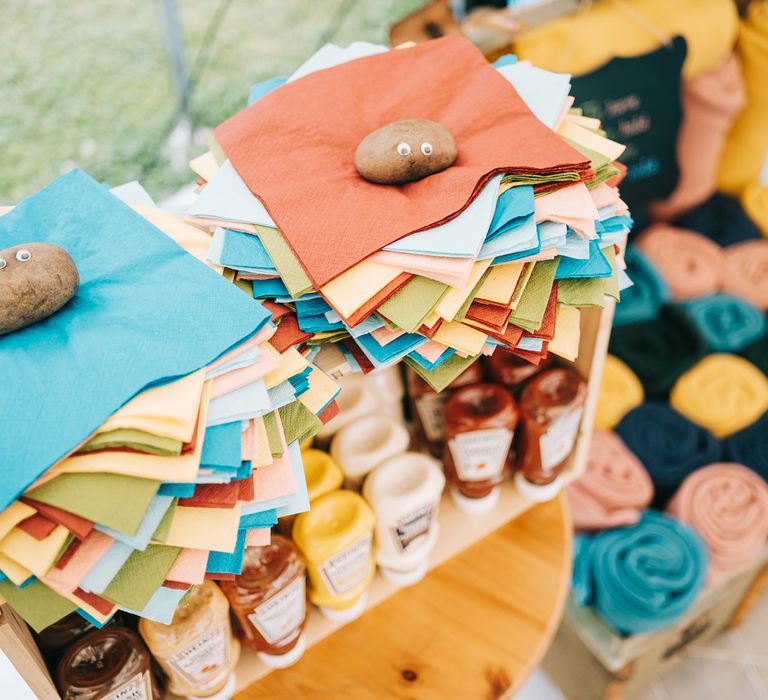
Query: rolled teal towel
[[644, 577], [727, 323], [641, 301]]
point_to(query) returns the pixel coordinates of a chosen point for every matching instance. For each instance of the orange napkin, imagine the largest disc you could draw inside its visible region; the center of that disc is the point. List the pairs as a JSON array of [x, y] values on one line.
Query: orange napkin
[[295, 148]]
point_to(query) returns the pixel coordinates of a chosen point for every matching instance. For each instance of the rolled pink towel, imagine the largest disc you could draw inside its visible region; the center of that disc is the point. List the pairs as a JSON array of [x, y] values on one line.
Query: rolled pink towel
[[613, 490], [746, 272], [727, 504]]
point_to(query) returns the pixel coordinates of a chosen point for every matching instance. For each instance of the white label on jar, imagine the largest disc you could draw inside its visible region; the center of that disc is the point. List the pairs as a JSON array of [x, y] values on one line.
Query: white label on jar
[[480, 454], [282, 613], [556, 444], [204, 657], [431, 410], [346, 570], [408, 529], [138, 688]]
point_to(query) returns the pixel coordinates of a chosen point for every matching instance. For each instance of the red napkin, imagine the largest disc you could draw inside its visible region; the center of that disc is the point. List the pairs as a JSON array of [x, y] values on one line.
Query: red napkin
[[37, 526], [295, 148]]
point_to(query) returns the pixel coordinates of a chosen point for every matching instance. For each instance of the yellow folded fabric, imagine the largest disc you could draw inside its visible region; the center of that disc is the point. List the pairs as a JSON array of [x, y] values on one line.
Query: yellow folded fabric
[[747, 143], [723, 393], [620, 392], [583, 41], [754, 199]]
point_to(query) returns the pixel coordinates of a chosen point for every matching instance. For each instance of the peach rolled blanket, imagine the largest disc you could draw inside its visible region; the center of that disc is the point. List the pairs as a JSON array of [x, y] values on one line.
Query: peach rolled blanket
[[746, 271], [614, 489], [727, 504], [691, 264]]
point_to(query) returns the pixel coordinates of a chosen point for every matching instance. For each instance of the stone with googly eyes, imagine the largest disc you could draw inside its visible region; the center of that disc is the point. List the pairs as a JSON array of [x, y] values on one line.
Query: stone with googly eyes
[[36, 280], [405, 151]]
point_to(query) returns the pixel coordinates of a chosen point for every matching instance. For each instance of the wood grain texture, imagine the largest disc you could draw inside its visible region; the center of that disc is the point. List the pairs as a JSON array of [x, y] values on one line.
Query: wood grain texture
[[473, 629]]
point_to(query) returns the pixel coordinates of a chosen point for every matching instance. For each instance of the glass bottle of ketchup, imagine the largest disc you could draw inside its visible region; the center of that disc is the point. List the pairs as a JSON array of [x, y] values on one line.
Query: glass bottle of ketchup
[[269, 602], [480, 422], [107, 664], [551, 405]]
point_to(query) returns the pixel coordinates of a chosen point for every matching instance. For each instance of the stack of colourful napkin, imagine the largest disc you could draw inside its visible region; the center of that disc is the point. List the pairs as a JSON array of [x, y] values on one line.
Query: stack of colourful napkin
[[496, 253], [151, 429]]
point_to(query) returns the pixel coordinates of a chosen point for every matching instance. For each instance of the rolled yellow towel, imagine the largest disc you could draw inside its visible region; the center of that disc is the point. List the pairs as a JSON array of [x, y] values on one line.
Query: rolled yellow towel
[[723, 393], [620, 392], [691, 264], [745, 273], [747, 143], [754, 199]]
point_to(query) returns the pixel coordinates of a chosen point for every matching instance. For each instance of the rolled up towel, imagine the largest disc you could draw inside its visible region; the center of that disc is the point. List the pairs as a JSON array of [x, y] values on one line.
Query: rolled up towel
[[711, 102], [722, 393], [614, 489], [745, 272], [668, 445], [722, 219], [644, 577], [620, 391], [727, 504], [754, 199], [757, 353], [690, 263], [750, 446], [727, 323], [659, 351], [641, 301], [747, 143]]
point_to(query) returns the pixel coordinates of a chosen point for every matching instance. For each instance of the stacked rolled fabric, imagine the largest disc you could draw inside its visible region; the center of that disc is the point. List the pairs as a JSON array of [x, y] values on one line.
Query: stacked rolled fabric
[[615, 488], [668, 445], [750, 446], [659, 351], [722, 219], [727, 323], [620, 391], [727, 504], [691, 264], [722, 393], [641, 301], [644, 577], [745, 273]]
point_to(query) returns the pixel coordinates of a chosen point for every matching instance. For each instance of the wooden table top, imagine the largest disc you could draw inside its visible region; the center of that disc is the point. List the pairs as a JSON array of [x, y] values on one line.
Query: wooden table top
[[474, 628]]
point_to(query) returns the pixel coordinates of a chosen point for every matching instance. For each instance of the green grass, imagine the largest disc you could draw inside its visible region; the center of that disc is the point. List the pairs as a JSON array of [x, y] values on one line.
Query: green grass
[[88, 83]]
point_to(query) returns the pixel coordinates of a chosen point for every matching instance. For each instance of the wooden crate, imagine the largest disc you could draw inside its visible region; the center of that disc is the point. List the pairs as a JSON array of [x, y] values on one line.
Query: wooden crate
[[459, 530], [590, 661]]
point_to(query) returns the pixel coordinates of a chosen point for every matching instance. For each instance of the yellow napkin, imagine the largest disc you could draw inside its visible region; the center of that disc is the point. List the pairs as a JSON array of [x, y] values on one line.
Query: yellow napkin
[[204, 528], [36, 555], [567, 332]]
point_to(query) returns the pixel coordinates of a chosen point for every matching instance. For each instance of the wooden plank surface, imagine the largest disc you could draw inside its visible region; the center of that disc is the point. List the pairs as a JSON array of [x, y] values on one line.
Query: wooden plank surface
[[474, 628]]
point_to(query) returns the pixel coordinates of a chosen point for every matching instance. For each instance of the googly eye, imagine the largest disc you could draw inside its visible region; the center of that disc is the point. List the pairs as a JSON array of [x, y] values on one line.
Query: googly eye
[[3, 264], [426, 148], [23, 255], [404, 149]]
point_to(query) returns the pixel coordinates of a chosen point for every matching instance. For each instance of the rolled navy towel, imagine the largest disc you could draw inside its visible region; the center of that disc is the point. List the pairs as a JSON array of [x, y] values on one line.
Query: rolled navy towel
[[750, 446]]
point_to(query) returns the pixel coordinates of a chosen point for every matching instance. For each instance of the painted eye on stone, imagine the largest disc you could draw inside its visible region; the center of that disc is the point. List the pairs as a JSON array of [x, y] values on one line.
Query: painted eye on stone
[[23, 255], [404, 149], [3, 264], [426, 148]]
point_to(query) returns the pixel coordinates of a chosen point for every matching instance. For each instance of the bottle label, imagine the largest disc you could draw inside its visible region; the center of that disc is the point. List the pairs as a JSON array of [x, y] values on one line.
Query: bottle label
[[413, 526], [431, 410], [556, 444], [281, 613], [138, 688], [204, 657], [348, 569], [480, 454]]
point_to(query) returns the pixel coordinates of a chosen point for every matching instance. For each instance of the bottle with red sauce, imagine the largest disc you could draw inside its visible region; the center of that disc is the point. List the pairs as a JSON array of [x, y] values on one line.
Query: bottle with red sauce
[[269, 602], [107, 664], [513, 371], [428, 406], [551, 407], [480, 422]]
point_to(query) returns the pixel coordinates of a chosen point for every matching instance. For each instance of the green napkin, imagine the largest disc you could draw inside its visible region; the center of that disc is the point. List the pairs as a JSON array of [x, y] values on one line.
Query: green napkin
[[533, 303], [611, 284], [273, 434], [291, 272], [161, 532], [299, 423], [36, 603], [141, 575], [136, 440], [442, 376], [413, 302], [581, 292], [538, 179], [114, 500]]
